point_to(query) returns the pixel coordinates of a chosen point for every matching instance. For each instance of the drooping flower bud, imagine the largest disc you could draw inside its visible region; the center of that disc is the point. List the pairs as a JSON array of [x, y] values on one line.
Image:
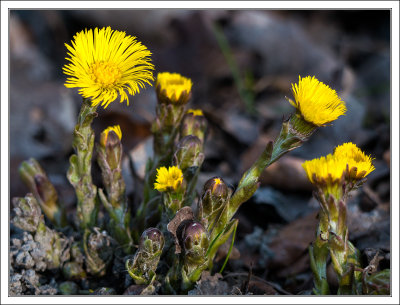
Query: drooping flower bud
[[194, 123], [143, 266], [151, 241], [194, 240], [189, 153], [33, 175]]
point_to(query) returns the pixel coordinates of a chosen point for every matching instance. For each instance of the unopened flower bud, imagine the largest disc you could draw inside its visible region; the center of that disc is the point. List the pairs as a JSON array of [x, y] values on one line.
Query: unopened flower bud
[[143, 266], [194, 242], [216, 195], [189, 153], [111, 136], [217, 187], [110, 146], [194, 123], [36, 179], [151, 241]]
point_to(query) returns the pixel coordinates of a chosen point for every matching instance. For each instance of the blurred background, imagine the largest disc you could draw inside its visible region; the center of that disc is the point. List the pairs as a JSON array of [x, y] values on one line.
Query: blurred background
[[242, 64]]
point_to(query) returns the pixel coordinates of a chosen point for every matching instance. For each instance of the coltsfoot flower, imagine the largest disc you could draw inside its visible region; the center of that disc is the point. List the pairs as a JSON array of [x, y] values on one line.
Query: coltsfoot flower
[[173, 88], [326, 172], [168, 179], [347, 161], [355, 158], [104, 135], [105, 63], [316, 102]]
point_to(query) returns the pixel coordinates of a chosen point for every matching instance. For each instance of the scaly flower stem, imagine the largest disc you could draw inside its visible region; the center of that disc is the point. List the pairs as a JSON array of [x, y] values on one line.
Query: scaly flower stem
[[319, 252], [79, 173], [332, 236], [293, 133], [165, 130], [109, 158]]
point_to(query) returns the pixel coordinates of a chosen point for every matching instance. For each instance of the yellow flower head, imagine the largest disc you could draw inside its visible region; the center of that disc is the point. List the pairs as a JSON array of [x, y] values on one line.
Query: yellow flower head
[[355, 158], [105, 63], [173, 88], [104, 134], [195, 112], [324, 168], [316, 102], [168, 179], [326, 172], [347, 162]]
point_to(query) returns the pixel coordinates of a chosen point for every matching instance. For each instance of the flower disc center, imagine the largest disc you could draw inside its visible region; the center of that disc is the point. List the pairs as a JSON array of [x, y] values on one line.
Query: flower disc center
[[105, 74]]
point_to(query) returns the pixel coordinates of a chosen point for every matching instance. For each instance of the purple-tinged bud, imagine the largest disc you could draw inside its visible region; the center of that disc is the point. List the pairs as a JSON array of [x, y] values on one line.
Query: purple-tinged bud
[[111, 136], [194, 241], [217, 187], [143, 266], [151, 241], [216, 195], [35, 178], [110, 148], [189, 153], [33, 175], [194, 123]]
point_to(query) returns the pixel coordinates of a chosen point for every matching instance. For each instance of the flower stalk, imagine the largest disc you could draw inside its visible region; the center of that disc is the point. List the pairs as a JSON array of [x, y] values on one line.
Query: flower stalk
[[79, 172], [335, 176], [109, 158], [173, 93], [189, 157]]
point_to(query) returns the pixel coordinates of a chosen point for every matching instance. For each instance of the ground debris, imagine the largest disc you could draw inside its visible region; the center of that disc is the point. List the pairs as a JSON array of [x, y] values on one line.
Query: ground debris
[[211, 285]]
